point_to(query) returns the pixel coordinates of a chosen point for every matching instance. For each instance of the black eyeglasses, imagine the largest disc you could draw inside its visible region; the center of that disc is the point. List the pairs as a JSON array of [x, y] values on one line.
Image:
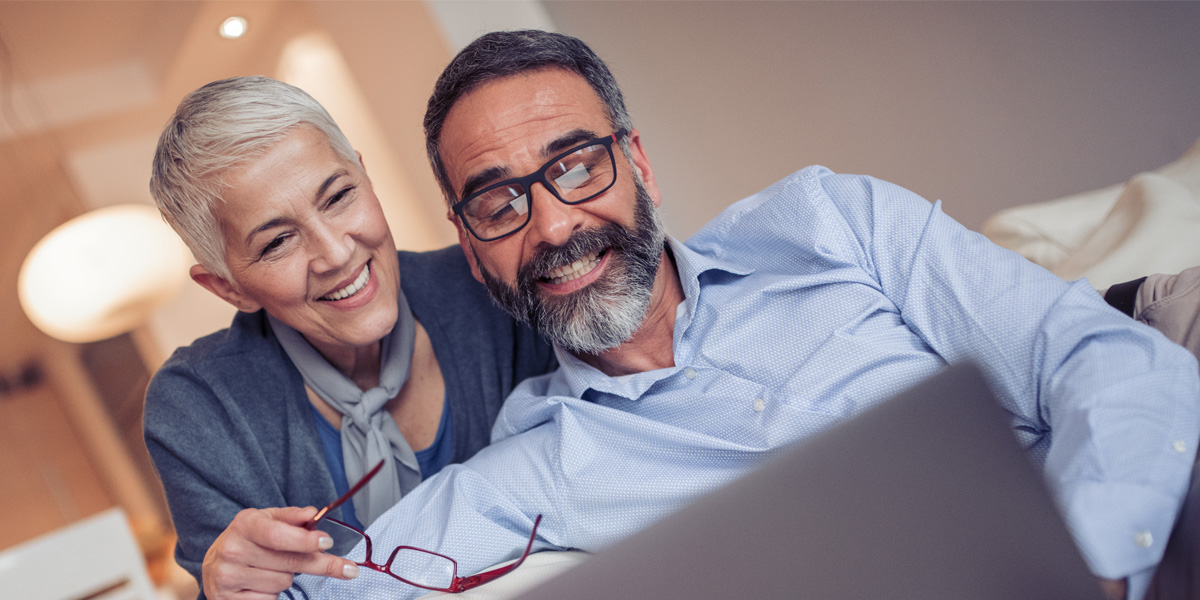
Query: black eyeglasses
[[574, 177], [414, 566]]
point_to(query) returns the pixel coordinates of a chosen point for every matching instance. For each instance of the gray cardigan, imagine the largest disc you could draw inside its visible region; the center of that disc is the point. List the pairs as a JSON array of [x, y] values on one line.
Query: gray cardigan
[[229, 426]]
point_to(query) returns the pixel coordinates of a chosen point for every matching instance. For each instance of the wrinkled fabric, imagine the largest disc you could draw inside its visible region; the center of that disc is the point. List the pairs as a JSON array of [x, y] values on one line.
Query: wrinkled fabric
[[805, 304], [369, 433]]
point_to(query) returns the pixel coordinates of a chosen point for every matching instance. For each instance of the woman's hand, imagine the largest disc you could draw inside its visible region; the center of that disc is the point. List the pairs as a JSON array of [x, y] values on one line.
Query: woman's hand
[[256, 556]]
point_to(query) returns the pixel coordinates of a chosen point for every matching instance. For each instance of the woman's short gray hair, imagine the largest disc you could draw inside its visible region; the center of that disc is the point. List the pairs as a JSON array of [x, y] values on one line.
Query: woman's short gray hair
[[504, 53], [222, 126]]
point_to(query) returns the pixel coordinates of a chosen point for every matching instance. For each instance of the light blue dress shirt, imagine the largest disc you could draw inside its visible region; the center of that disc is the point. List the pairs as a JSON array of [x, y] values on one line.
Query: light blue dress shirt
[[805, 304]]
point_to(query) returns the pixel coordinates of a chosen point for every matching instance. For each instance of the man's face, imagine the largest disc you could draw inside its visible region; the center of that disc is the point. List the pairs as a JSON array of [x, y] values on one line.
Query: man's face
[[582, 274]]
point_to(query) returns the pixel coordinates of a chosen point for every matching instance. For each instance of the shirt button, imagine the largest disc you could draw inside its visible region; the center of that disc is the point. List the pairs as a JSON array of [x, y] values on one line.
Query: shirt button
[[1144, 539], [690, 373], [1180, 446], [759, 404]]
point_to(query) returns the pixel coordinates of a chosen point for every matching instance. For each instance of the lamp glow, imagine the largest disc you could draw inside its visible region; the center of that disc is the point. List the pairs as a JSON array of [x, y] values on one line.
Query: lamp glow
[[102, 273], [233, 28]]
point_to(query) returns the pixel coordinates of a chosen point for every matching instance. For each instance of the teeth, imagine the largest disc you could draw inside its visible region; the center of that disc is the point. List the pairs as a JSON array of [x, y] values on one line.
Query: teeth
[[574, 270], [353, 288]]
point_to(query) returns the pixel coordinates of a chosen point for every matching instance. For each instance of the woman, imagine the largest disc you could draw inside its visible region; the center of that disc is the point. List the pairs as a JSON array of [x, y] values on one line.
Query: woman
[[344, 352]]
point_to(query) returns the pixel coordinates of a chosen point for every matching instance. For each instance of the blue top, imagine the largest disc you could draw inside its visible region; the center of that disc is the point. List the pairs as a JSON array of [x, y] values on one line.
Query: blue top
[[431, 459], [805, 304], [229, 425]]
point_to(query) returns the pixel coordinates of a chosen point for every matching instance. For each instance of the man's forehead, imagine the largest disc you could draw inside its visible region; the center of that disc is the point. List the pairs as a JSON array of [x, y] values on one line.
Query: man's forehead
[[520, 113]]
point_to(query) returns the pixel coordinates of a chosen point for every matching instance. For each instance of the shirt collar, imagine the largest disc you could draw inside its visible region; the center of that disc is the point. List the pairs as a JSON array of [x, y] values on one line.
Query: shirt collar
[[575, 378]]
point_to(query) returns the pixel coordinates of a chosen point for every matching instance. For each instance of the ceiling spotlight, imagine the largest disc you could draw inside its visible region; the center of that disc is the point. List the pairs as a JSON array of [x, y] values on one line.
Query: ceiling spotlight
[[233, 28]]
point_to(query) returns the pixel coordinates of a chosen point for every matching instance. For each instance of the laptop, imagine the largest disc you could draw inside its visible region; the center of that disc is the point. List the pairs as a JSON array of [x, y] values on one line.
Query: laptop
[[925, 496]]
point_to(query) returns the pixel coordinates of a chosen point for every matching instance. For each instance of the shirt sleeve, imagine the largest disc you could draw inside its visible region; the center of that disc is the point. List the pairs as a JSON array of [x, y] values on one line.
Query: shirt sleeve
[[466, 511], [1115, 400], [594, 473]]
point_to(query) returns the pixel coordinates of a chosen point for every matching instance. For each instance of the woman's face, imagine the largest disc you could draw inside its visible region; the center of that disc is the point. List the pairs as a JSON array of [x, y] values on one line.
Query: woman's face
[[306, 239]]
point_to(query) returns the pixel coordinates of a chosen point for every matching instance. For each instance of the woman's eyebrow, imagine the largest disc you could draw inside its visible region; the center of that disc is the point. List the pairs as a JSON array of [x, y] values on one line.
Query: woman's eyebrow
[[328, 182], [278, 221], [270, 224]]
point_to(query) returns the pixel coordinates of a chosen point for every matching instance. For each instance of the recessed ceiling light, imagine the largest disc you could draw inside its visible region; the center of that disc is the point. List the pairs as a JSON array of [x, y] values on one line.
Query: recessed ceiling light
[[233, 28]]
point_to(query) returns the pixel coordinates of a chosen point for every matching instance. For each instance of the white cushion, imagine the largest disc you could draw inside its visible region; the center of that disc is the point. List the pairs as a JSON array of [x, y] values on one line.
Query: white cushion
[[1154, 227]]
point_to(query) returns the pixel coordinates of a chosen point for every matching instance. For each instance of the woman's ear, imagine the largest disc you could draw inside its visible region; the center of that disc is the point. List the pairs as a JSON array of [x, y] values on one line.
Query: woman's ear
[[223, 289]]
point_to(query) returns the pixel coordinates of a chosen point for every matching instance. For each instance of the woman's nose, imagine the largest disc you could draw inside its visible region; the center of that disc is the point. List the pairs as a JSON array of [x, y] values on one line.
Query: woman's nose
[[332, 248]]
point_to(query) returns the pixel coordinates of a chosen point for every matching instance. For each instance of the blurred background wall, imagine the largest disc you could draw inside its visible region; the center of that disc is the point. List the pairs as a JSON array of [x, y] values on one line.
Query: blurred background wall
[[982, 105]]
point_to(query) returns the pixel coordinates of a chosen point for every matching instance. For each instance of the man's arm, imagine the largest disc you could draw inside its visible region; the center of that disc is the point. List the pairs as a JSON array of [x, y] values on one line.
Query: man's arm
[[1107, 406], [1110, 404], [596, 474]]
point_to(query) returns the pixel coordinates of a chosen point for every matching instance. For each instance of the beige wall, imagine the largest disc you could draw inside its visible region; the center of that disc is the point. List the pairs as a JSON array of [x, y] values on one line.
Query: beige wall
[[982, 104]]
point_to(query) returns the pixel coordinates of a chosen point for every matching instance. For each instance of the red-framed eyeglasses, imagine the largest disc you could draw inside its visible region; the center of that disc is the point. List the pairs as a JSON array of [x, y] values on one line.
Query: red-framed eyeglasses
[[409, 564]]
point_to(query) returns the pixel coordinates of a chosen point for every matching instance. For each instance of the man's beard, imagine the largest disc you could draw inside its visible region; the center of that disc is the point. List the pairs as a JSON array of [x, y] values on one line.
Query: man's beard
[[607, 312]]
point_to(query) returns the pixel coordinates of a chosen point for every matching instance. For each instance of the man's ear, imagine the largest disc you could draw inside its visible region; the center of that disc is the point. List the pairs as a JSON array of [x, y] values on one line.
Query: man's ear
[[464, 242], [641, 163], [222, 289]]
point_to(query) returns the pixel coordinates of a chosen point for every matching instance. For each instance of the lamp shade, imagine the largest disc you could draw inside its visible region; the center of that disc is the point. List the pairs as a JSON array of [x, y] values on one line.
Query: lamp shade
[[102, 273]]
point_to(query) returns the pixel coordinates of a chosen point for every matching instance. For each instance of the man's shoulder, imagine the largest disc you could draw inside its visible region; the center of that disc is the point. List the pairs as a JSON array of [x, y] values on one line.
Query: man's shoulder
[[530, 404], [775, 208]]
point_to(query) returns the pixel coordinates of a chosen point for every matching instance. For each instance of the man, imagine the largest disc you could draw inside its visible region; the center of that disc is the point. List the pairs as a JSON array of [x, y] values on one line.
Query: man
[[683, 365]]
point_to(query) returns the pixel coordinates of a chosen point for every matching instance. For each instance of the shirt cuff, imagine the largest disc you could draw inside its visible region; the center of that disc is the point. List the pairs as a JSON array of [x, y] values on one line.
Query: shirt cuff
[[1137, 584], [1121, 529]]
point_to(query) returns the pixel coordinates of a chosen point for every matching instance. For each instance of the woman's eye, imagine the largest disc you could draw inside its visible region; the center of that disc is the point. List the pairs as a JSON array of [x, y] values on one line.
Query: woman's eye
[[338, 197], [272, 246]]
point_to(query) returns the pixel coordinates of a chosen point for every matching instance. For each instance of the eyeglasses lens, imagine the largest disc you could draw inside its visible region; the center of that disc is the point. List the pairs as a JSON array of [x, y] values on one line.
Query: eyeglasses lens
[[423, 568], [344, 539], [577, 177]]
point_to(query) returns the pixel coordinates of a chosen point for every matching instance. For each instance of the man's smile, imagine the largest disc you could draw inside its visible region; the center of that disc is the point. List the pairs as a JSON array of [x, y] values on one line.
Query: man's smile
[[574, 270], [576, 274]]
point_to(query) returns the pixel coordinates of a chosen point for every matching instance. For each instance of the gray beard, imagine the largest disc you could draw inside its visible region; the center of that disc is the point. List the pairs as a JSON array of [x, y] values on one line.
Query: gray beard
[[607, 312]]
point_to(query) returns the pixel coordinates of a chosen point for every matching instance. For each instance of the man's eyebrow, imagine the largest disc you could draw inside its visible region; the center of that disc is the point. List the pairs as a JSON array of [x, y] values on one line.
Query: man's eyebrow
[[567, 140], [482, 179], [562, 142], [278, 221]]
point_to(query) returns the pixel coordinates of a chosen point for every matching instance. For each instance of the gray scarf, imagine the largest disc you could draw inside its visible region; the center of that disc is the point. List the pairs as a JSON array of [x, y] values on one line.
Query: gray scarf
[[369, 434]]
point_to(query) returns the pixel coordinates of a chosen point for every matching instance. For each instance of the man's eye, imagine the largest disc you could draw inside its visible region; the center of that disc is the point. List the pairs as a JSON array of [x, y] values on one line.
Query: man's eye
[[500, 213]]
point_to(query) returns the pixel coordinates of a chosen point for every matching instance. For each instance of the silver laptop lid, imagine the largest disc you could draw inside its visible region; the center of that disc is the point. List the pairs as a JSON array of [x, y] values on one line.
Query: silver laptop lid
[[924, 496]]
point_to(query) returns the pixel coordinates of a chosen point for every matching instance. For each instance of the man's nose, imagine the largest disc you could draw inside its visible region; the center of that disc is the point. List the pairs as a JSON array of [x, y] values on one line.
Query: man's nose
[[552, 221]]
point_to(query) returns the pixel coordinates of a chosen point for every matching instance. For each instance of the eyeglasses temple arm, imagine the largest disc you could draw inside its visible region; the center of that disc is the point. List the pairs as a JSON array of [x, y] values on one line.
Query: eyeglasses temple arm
[[462, 584], [352, 491]]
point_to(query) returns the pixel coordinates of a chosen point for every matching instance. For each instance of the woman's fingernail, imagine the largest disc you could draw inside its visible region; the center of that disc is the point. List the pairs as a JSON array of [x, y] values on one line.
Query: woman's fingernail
[[325, 542], [350, 571]]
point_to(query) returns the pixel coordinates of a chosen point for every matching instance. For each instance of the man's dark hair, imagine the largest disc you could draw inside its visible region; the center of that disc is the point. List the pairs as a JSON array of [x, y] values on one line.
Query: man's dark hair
[[504, 53]]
